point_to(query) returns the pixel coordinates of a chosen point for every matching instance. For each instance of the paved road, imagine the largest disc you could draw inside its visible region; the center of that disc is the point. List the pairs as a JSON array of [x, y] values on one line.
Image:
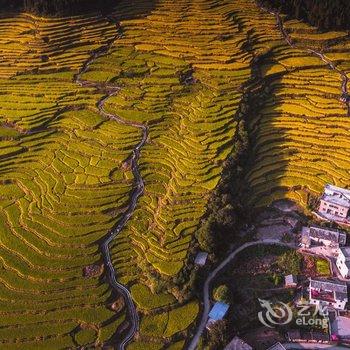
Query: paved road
[[111, 90], [313, 346], [206, 289], [323, 57]]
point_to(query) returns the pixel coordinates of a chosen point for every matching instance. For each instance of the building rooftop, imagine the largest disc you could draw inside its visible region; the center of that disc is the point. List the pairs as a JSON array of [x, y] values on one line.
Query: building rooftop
[[336, 195], [218, 311], [333, 188], [237, 344], [201, 258], [345, 251], [290, 279], [328, 290], [324, 233], [340, 326]]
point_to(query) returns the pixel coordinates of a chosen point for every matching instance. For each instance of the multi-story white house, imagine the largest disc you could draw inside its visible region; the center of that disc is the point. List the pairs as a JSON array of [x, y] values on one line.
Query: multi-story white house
[[335, 203], [328, 293], [322, 236], [343, 261]]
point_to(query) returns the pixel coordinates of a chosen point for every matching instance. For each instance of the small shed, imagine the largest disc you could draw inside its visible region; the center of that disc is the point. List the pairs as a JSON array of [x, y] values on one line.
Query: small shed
[[201, 258], [217, 313], [290, 281]]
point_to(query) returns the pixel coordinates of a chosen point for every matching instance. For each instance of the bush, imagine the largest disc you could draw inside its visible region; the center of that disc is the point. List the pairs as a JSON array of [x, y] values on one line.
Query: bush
[[57, 7], [222, 293], [290, 262], [325, 14], [218, 335]]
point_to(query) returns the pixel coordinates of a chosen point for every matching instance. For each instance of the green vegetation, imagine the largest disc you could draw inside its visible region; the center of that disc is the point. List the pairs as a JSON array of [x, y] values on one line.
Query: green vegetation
[[222, 293], [290, 262], [57, 7], [322, 267], [324, 14], [224, 134]]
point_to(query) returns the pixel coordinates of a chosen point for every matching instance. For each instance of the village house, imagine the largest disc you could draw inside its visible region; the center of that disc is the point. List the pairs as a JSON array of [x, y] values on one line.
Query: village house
[[343, 261], [335, 203], [340, 328], [322, 236], [217, 313], [328, 293], [290, 281]]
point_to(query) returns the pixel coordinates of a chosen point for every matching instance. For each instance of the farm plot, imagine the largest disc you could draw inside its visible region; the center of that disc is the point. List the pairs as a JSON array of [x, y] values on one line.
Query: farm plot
[[30, 43], [301, 133], [62, 188], [183, 68], [182, 78]]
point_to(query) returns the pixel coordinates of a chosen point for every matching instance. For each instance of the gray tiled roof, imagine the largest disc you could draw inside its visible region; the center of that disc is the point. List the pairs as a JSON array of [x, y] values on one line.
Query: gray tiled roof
[[329, 285], [324, 233]]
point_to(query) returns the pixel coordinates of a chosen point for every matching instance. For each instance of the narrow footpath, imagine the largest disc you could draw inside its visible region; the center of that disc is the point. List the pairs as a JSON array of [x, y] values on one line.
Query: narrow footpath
[[138, 188], [320, 55]]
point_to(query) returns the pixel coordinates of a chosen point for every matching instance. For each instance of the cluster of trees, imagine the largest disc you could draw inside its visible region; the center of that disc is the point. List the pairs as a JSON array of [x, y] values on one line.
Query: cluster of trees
[[224, 211], [290, 262], [56, 7], [325, 14]]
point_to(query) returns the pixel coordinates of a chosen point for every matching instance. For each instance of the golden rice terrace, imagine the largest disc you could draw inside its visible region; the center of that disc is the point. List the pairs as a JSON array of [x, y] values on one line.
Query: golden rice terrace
[[184, 69]]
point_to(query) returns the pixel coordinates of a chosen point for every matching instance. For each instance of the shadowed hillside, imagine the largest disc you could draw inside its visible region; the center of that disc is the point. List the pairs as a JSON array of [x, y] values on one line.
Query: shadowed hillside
[[57, 7], [324, 14]]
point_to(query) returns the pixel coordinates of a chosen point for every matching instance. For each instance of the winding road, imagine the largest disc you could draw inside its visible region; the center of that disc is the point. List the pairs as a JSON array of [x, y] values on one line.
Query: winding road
[[111, 90], [323, 57], [206, 289]]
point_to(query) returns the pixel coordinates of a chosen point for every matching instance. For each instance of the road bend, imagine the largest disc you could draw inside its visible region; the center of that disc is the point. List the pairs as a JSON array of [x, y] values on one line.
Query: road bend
[[138, 188], [213, 275]]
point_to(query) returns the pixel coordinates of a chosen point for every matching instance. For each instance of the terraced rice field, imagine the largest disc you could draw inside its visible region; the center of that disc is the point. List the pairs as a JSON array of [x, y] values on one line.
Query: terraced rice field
[[302, 130], [183, 69]]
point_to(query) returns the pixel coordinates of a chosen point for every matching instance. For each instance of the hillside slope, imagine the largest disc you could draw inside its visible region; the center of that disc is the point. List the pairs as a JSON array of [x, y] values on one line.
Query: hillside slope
[[188, 70]]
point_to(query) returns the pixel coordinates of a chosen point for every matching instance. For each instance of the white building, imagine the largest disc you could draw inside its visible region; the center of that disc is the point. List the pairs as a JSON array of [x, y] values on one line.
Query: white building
[[328, 293], [322, 236], [335, 202], [343, 261], [290, 281], [201, 258]]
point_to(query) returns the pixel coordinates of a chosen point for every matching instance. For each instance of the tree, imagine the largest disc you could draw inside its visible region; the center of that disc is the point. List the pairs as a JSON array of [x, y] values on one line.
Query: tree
[[222, 293], [205, 236], [57, 7], [290, 262], [218, 335], [325, 14]]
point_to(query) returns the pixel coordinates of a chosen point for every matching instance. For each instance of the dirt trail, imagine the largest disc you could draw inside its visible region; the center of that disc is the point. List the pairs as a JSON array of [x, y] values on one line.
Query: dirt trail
[[322, 56], [111, 90]]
